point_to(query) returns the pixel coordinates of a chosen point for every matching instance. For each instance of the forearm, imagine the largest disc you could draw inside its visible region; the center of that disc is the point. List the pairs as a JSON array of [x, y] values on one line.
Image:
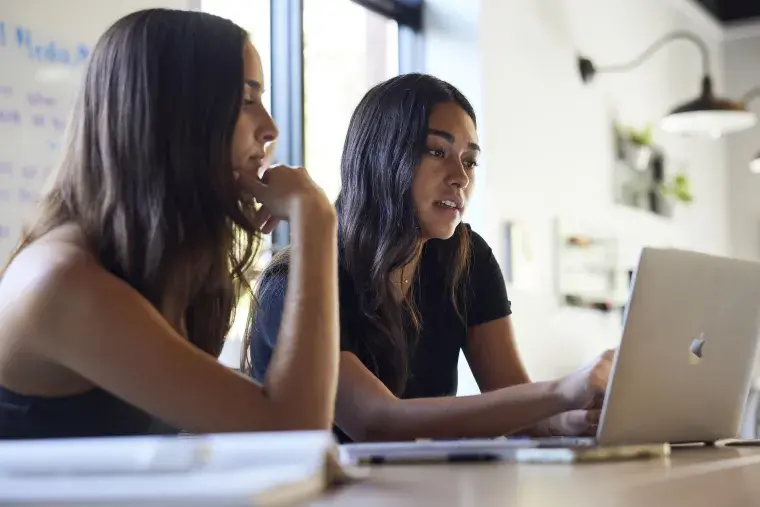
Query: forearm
[[502, 412], [302, 377]]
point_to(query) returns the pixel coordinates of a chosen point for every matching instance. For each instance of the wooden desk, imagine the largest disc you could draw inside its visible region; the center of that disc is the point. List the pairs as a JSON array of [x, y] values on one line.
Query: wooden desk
[[692, 477]]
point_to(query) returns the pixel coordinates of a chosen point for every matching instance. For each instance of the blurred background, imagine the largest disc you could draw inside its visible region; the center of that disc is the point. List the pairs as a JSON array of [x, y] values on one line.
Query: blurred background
[[577, 174]]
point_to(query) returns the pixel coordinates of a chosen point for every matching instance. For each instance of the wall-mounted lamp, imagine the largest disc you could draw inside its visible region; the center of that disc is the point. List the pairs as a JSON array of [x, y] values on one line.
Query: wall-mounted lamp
[[754, 165], [705, 115]]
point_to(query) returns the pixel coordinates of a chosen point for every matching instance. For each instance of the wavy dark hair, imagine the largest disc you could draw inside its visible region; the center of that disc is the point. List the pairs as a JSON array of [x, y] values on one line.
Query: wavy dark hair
[[147, 171], [378, 227]]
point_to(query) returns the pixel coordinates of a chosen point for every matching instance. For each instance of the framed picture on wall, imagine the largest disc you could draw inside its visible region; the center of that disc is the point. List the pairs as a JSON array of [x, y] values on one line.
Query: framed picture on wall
[[639, 171], [589, 271], [519, 266]]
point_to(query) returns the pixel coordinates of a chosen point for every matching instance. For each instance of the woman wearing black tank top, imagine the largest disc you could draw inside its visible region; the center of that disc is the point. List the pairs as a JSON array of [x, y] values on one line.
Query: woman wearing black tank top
[[117, 300], [417, 286]]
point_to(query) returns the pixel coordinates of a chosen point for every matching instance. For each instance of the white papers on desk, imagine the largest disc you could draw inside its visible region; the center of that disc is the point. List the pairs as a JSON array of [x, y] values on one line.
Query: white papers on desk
[[255, 468]]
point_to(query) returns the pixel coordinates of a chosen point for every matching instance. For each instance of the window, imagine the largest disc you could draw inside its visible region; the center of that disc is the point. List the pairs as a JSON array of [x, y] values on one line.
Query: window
[[347, 49]]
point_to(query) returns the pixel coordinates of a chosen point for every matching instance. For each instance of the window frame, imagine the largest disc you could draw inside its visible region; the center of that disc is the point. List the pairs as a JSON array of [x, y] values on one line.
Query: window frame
[[287, 80], [405, 12], [287, 90]]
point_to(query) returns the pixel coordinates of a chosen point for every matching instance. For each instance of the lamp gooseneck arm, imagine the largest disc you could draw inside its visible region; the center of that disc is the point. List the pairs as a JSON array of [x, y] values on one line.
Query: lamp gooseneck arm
[[659, 43]]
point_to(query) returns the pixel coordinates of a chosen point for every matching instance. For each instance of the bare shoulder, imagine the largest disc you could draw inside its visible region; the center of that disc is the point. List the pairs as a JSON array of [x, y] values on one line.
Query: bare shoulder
[[53, 283], [49, 269]]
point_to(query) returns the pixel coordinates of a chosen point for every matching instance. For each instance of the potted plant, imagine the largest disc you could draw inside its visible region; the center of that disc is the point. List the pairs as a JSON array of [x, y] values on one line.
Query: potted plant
[[678, 189], [640, 147]]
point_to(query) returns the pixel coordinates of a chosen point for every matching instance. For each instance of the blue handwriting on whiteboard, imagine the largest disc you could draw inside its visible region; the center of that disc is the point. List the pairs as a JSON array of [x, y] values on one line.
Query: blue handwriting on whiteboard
[[45, 50], [6, 168], [4, 231], [29, 172], [12, 116], [38, 99], [25, 195], [5, 195]]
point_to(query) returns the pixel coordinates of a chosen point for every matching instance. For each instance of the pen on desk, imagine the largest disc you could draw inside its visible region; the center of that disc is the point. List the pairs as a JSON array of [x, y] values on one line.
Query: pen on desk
[[417, 460]]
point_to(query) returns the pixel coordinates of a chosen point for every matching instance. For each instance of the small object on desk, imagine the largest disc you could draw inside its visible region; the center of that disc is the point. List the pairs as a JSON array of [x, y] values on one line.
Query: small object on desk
[[589, 454], [738, 442]]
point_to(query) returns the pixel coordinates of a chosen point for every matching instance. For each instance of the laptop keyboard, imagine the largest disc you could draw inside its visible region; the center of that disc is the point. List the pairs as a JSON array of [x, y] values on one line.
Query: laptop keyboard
[[566, 441]]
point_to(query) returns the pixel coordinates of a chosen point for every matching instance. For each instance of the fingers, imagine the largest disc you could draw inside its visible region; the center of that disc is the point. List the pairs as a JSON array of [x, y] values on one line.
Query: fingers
[[250, 183], [575, 418], [264, 221], [281, 189], [599, 379], [598, 402], [601, 371], [268, 160], [580, 422], [270, 226], [592, 422], [260, 218]]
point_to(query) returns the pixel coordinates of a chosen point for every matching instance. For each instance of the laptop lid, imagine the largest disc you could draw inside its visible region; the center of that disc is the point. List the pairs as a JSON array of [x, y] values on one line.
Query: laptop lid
[[684, 367]]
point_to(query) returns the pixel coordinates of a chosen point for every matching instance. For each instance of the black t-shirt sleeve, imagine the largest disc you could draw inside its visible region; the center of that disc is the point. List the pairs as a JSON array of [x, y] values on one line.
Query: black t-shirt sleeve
[[350, 316], [487, 297], [270, 302]]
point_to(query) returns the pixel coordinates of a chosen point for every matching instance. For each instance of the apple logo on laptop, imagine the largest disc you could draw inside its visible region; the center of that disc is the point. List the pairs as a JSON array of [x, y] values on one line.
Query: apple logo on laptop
[[696, 348]]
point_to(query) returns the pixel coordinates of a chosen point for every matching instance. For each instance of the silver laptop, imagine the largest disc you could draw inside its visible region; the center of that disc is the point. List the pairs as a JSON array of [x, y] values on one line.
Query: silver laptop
[[683, 369], [685, 363]]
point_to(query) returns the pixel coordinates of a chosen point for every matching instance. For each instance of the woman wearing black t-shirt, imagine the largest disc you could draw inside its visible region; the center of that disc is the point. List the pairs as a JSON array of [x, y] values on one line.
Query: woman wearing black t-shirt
[[417, 286]]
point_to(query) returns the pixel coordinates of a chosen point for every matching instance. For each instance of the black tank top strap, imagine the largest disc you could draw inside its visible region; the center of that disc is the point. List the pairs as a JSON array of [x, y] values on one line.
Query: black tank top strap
[[93, 413]]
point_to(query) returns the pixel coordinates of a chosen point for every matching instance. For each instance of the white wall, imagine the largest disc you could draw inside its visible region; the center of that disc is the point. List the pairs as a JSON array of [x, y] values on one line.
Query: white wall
[[548, 150], [742, 70]]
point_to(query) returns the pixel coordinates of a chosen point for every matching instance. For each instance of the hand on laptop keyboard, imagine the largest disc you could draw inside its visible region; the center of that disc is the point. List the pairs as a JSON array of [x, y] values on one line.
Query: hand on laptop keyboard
[[579, 422], [581, 389]]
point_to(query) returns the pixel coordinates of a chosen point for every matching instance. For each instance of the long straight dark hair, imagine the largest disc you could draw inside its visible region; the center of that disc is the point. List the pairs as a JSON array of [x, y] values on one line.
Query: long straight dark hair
[[147, 172], [378, 227]]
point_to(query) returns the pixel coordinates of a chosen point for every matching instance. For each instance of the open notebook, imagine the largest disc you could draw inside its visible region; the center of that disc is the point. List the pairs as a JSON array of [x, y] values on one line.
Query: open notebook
[[250, 468]]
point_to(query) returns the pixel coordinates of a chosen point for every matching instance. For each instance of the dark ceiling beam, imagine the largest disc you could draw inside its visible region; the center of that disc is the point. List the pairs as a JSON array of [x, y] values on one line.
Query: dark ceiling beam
[[732, 10]]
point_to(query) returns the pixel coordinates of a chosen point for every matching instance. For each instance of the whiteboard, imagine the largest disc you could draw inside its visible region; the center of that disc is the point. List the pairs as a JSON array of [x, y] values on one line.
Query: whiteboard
[[44, 46]]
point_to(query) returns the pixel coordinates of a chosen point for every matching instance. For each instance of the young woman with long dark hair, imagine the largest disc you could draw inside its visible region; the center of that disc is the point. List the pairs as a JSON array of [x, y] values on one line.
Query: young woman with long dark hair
[[116, 303], [417, 286]]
